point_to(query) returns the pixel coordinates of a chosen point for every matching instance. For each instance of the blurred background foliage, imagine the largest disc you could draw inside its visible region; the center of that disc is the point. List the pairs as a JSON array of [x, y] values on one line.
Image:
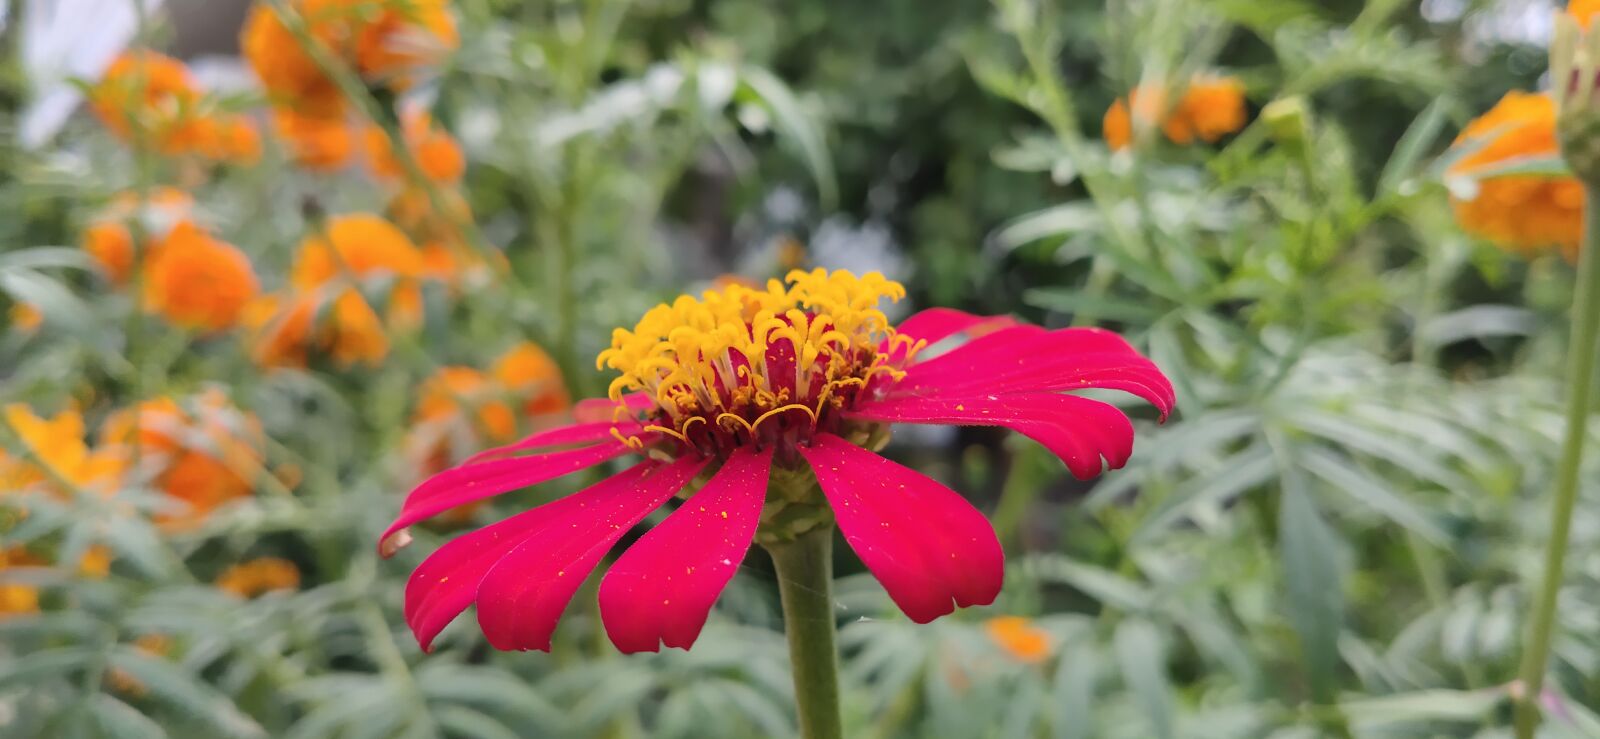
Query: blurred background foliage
[[1336, 534]]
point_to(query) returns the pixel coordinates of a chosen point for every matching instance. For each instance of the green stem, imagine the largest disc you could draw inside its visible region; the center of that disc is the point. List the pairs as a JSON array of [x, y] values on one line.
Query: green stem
[[1580, 384], [805, 581]]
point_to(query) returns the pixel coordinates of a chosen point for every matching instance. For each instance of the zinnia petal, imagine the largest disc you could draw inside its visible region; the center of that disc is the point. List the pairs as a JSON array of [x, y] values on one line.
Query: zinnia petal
[[447, 581], [1078, 430], [661, 589], [605, 409], [522, 597], [1031, 359], [929, 547], [578, 433], [461, 485], [935, 324]]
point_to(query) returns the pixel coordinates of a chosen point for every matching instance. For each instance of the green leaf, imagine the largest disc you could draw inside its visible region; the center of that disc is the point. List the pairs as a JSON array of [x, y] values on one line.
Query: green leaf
[[1466, 706], [1229, 479], [1059, 220], [38, 666], [463, 721], [185, 692], [1346, 477], [1076, 675], [1424, 130], [1104, 307], [1309, 550], [1141, 653], [1528, 166], [117, 720], [44, 257], [796, 124], [55, 302]]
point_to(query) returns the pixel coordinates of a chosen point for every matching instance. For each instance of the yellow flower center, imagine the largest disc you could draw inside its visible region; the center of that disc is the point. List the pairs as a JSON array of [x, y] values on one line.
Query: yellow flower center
[[740, 364]]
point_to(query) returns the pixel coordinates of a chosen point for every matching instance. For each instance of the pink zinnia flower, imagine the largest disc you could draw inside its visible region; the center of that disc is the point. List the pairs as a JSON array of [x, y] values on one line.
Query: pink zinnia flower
[[754, 391]]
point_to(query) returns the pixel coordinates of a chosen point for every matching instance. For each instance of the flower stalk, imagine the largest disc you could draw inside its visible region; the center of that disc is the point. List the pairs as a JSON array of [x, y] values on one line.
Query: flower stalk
[[1580, 384], [804, 567], [1574, 57]]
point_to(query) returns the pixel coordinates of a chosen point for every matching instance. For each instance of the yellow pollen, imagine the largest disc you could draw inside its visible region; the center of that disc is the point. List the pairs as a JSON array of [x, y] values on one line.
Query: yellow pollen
[[737, 357]]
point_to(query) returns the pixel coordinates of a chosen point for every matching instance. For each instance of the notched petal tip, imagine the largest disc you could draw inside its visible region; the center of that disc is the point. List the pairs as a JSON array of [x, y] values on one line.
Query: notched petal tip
[[394, 542]]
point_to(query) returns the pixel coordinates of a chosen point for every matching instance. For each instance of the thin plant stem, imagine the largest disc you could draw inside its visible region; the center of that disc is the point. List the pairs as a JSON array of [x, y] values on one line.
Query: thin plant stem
[[1580, 386], [804, 567]]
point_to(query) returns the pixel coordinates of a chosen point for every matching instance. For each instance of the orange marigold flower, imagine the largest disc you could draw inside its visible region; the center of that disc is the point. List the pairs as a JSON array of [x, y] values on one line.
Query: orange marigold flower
[[151, 645], [318, 144], [56, 450], [145, 93], [386, 41], [95, 563], [259, 576], [407, 36], [18, 598], [1583, 11], [1520, 213], [436, 152], [1210, 107], [108, 239], [228, 139], [26, 318], [352, 247], [529, 372], [291, 77], [1018, 637], [287, 329], [202, 452], [460, 409], [445, 251], [198, 282]]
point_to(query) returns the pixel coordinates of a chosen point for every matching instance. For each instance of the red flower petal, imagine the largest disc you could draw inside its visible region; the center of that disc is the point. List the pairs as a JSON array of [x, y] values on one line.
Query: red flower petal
[[605, 409], [929, 547], [447, 581], [1030, 359], [935, 324], [580, 433], [1078, 430], [662, 587], [460, 485], [522, 597]]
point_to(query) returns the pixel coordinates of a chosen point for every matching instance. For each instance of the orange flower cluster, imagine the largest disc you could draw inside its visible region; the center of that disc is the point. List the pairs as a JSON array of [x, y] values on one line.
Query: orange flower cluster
[[1522, 213], [436, 152], [197, 281], [57, 454], [348, 258], [151, 645], [57, 461], [191, 278], [461, 410], [109, 240], [316, 143], [18, 598], [1209, 108], [388, 42], [258, 577], [1020, 638], [147, 98], [1583, 11], [201, 451]]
